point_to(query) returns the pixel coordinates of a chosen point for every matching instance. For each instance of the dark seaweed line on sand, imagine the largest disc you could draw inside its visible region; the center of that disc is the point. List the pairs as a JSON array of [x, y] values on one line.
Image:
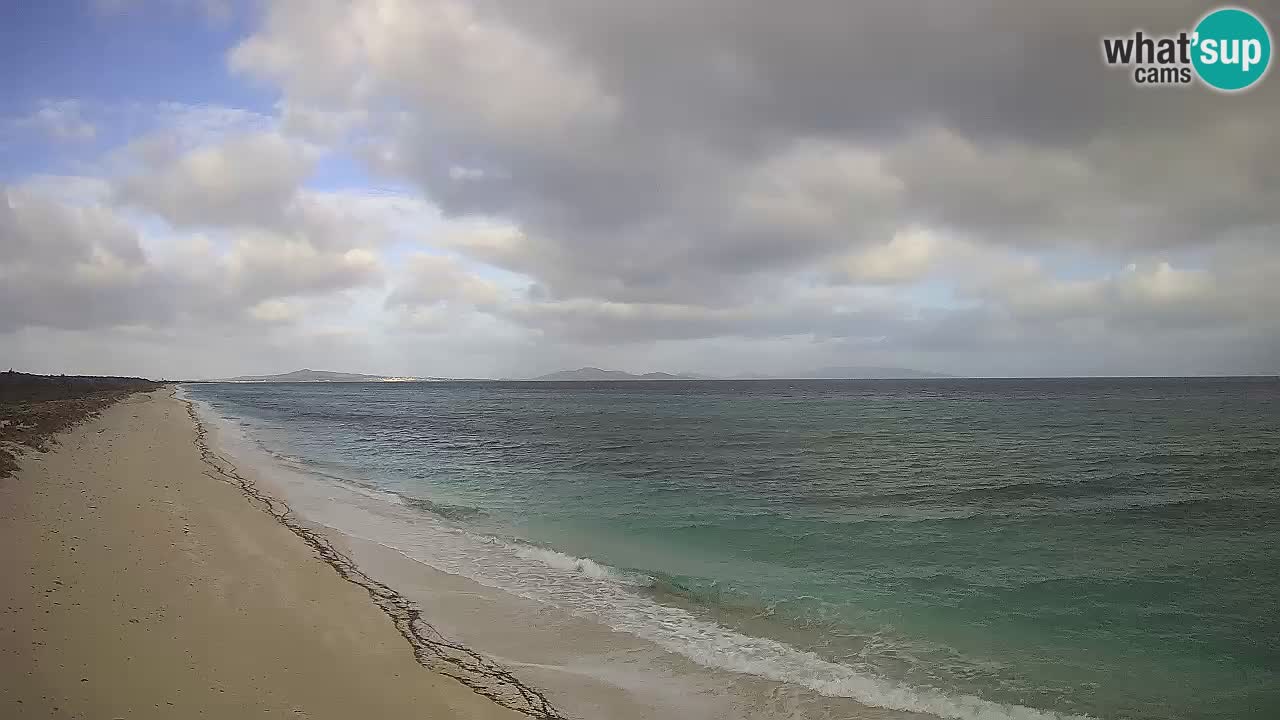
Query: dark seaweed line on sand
[[430, 648]]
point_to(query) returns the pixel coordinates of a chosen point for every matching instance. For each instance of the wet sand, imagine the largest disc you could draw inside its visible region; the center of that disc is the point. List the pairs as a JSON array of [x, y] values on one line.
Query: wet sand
[[141, 581], [585, 667]]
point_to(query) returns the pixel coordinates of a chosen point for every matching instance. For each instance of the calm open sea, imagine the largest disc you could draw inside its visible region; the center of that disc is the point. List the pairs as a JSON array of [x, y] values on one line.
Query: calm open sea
[[1101, 547]]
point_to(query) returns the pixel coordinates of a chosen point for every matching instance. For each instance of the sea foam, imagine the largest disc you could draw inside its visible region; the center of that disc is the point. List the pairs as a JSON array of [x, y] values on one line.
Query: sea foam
[[584, 566], [715, 646], [608, 595], [593, 590]]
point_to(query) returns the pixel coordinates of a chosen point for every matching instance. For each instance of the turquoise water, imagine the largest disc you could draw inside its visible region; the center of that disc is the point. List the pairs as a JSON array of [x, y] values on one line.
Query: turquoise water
[[1100, 547]]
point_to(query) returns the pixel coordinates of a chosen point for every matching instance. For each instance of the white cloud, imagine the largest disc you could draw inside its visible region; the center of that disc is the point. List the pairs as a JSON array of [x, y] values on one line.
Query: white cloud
[[276, 311], [61, 120], [76, 264], [428, 280], [908, 256], [451, 61], [264, 265], [248, 179], [319, 125]]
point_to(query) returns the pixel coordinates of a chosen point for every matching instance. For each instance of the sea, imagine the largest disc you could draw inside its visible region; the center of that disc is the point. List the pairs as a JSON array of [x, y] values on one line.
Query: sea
[[959, 548]]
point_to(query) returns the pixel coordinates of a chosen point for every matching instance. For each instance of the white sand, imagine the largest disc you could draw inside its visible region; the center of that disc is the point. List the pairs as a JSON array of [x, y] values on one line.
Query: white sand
[[137, 584]]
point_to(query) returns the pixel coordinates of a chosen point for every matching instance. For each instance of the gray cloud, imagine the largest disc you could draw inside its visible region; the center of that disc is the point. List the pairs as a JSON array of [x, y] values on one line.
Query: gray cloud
[[857, 120], [83, 266], [949, 183], [71, 267]]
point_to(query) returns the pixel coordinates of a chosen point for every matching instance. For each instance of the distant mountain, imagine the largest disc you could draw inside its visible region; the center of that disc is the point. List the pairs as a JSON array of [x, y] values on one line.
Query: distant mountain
[[826, 373], [594, 373], [308, 375], [857, 373]]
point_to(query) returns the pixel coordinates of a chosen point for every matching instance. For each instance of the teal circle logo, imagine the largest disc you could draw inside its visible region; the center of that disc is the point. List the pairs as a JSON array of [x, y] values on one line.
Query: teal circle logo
[[1231, 49]]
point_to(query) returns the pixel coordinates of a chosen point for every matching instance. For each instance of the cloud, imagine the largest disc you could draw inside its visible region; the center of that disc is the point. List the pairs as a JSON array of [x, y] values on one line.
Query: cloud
[[434, 279], [660, 154], [823, 193], [346, 219], [958, 185], [246, 180], [442, 56], [317, 125], [68, 263], [907, 257], [61, 120], [264, 265], [71, 267]]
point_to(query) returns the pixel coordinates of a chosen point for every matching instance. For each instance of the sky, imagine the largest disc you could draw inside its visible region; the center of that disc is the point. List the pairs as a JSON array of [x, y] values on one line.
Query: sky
[[503, 188]]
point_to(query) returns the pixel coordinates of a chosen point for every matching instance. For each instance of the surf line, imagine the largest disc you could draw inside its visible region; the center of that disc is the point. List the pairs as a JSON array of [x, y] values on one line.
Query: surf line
[[431, 649]]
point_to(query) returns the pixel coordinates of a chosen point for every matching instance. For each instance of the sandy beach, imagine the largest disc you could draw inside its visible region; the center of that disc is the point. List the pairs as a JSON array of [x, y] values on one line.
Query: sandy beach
[[157, 571], [141, 582], [180, 556]]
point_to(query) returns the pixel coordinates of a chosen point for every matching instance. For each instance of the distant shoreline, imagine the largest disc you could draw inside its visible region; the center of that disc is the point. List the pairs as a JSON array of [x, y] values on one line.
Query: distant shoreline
[[947, 378]]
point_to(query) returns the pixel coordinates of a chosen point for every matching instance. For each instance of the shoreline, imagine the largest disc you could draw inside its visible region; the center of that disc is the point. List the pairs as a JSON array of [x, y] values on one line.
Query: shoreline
[[430, 648], [392, 561], [596, 663], [599, 643], [140, 589]]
